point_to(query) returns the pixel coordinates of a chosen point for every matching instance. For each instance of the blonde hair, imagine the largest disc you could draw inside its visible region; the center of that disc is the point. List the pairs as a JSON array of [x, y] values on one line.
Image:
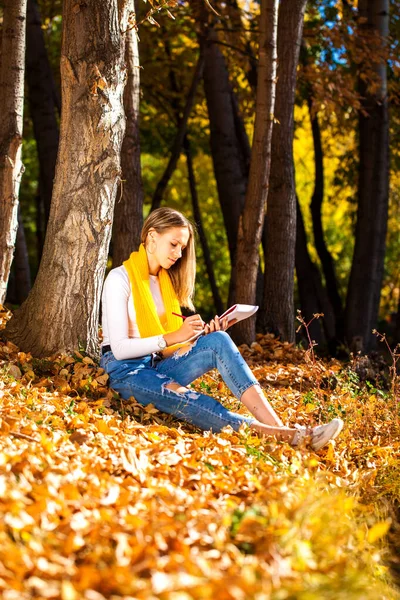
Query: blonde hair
[[183, 272]]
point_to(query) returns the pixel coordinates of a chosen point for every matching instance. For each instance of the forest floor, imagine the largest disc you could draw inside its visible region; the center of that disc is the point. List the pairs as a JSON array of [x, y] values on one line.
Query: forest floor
[[101, 498]]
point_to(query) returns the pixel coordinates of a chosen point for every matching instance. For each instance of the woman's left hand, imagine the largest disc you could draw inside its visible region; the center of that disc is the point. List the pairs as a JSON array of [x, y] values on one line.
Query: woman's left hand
[[216, 324]]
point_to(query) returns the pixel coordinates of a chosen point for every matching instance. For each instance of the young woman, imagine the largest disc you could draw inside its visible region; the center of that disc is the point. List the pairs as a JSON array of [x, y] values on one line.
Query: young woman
[[153, 354]]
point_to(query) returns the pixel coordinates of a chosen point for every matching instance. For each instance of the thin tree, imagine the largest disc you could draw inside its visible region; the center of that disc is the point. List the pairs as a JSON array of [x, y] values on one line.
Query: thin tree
[[181, 118], [22, 273], [278, 304], [365, 282], [128, 212], [312, 294], [316, 212], [180, 134], [62, 309], [252, 218], [200, 228], [228, 139], [11, 113]]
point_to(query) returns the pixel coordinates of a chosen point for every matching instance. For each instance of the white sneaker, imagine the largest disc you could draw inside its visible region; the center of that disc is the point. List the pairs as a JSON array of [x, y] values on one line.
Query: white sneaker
[[320, 435]]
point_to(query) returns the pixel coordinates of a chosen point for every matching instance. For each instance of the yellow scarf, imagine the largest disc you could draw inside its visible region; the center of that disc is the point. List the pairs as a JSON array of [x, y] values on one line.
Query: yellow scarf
[[147, 318]]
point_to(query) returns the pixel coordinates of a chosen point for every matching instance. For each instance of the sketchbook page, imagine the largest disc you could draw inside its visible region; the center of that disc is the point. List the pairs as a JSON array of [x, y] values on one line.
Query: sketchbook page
[[239, 312]]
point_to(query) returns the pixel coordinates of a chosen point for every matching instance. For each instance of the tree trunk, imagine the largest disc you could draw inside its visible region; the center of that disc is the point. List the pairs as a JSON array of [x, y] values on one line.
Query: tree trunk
[[42, 104], [278, 304], [319, 240], [227, 152], [19, 283], [67, 289], [200, 229], [11, 111], [182, 127], [21, 264], [365, 282], [313, 298], [128, 212], [252, 218]]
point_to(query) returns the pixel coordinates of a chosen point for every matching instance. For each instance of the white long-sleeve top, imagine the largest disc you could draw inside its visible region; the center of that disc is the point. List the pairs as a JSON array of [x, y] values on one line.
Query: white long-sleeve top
[[120, 329]]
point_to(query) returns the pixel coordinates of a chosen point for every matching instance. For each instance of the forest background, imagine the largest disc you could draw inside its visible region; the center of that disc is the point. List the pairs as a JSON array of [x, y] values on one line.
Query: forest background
[[101, 498], [197, 109]]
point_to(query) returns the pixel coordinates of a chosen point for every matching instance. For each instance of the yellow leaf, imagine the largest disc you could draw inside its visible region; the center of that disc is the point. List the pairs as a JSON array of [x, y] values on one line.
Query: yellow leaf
[[68, 592], [102, 427], [87, 359], [378, 530]]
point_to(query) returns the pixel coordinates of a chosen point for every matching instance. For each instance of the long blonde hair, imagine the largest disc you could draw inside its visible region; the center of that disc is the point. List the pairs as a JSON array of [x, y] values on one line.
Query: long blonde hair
[[183, 272]]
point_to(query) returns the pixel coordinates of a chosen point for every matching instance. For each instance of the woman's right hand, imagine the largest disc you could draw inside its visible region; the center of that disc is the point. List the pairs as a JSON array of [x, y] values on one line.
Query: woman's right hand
[[191, 326]]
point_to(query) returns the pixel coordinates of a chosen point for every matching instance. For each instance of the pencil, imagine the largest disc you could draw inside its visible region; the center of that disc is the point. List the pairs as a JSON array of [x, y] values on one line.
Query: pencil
[[181, 316]]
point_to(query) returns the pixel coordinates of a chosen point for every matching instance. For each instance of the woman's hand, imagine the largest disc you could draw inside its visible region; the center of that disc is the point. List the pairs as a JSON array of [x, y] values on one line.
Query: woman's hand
[[191, 325], [217, 324]]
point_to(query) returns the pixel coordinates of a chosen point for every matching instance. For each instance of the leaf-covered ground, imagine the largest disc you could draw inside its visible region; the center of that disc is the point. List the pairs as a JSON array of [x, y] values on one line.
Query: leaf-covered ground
[[101, 498]]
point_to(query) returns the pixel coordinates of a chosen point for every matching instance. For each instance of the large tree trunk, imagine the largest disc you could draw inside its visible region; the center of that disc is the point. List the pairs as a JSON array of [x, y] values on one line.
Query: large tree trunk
[[128, 212], [278, 304], [42, 104], [11, 111], [61, 312], [373, 188], [252, 218]]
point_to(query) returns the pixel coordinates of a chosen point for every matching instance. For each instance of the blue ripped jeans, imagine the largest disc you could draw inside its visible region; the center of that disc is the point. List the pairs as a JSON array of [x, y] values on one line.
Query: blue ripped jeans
[[146, 379]]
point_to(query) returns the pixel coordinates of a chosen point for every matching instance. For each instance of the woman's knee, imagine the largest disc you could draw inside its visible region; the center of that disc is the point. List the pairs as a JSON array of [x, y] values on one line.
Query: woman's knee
[[221, 340]]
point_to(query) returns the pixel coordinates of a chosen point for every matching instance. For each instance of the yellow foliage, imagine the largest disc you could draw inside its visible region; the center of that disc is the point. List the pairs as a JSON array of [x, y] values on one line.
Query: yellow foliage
[[101, 498]]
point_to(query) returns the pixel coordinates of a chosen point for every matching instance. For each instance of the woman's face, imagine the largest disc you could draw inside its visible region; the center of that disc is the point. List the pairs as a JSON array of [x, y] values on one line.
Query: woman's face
[[168, 246]]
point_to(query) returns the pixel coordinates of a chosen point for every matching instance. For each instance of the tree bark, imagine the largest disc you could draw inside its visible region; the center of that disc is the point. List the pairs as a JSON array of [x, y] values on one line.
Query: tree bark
[[278, 304], [252, 218], [11, 112], [128, 212], [67, 289], [42, 104], [366, 274], [319, 240], [200, 229]]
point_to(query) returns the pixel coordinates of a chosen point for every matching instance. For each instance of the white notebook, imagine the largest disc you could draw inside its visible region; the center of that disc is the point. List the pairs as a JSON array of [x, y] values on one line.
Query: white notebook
[[239, 312]]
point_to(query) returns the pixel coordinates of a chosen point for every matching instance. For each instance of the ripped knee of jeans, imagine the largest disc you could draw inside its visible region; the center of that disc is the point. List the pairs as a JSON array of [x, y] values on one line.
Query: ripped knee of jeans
[[179, 390]]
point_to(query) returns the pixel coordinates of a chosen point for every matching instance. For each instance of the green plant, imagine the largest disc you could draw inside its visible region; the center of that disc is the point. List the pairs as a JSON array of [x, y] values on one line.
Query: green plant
[[70, 409]]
